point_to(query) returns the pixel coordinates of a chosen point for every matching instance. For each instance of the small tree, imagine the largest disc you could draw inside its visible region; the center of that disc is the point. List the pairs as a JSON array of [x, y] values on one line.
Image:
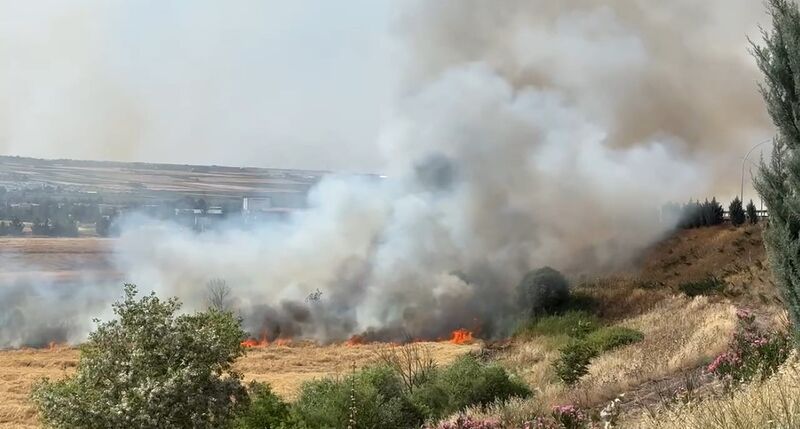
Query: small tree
[[542, 291], [717, 212], [412, 362], [736, 212], [219, 295], [752, 213], [150, 369], [16, 227], [778, 182]]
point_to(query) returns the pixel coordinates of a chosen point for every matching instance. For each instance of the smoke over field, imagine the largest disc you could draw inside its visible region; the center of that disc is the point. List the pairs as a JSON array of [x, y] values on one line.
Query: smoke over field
[[525, 134]]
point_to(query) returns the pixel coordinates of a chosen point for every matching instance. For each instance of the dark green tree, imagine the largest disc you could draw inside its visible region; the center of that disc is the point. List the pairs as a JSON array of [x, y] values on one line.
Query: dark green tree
[[752, 213], [717, 212], [778, 181], [736, 212], [542, 291], [707, 213]]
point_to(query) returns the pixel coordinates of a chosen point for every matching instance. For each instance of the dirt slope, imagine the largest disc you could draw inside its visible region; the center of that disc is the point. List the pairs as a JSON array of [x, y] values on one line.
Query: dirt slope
[[735, 255]]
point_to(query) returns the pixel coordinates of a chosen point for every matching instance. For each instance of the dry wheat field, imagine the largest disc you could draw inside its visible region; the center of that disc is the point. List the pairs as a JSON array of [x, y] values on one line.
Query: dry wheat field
[[284, 367]]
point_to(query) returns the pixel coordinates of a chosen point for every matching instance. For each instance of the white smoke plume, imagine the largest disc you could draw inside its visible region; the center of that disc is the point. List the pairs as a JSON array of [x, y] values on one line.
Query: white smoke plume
[[528, 133], [487, 182]]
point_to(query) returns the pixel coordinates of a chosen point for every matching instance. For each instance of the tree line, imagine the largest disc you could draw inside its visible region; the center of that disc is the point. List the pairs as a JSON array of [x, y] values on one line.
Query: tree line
[[696, 214]]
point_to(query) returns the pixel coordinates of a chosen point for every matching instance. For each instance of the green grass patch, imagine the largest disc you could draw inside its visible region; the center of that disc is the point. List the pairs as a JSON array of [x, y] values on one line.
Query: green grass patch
[[612, 337], [572, 323], [707, 286], [577, 353]]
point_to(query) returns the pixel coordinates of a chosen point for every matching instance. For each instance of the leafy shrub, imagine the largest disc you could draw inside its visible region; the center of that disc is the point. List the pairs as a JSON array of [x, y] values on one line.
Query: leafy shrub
[[752, 213], [574, 361], [736, 212], [752, 353], [707, 286], [612, 337], [265, 409], [377, 395], [381, 399], [468, 382], [543, 291], [578, 353], [150, 369], [572, 323]]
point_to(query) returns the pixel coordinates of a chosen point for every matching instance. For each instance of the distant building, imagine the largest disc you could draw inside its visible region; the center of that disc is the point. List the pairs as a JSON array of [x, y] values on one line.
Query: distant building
[[188, 212], [255, 204], [261, 208]]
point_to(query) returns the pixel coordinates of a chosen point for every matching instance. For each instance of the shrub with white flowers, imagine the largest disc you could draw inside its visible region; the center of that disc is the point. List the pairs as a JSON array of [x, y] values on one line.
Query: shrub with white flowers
[[150, 368]]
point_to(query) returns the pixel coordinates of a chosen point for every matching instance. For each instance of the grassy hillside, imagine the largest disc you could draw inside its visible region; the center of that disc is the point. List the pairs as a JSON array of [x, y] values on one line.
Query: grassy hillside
[[682, 334]]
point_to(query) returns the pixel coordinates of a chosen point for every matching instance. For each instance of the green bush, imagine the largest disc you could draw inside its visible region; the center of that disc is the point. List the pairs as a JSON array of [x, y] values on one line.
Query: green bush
[[431, 400], [572, 323], [150, 369], [707, 286], [612, 337], [578, 353], [753, 353], [543, 291], [376, 393], [574, 361], [381, 400], [468, 382], [265, 409]]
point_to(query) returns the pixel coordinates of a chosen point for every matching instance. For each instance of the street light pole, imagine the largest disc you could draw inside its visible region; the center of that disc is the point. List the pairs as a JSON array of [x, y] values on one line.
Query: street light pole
[[741, 194]]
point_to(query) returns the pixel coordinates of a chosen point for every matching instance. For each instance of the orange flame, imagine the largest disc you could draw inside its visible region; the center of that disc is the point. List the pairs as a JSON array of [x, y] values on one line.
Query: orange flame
[[356, 340], [252, 342], [461, 336]]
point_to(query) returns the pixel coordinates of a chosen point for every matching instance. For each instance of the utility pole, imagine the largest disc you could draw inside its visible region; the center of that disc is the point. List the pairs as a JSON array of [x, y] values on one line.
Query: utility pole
[[741, 193]]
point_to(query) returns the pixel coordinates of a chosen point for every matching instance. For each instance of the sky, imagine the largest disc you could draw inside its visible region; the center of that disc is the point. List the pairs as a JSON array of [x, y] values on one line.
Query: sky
[[260, 83], [313, 83]]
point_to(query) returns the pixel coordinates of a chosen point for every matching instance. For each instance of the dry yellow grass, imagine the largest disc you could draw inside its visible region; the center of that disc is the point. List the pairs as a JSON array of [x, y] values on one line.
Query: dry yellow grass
[[772, 404], [679, 333], [19, 369], [284, 367]]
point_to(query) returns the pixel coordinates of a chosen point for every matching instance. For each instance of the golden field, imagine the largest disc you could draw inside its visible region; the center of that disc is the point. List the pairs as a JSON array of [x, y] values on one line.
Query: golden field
[[285, 368]]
